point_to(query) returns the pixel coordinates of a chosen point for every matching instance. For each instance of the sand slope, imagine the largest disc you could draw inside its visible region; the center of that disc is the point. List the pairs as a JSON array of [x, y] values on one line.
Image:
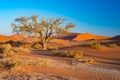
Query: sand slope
[[88, 36]]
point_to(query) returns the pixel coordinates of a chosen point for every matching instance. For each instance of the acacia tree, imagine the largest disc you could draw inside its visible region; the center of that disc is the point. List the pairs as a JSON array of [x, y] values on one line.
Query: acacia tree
[[46, 29]]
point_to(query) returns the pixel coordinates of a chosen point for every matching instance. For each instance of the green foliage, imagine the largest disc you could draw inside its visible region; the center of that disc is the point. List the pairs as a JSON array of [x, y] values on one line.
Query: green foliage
[[70, 54], [113, 45], [10, 63], [95, 45]]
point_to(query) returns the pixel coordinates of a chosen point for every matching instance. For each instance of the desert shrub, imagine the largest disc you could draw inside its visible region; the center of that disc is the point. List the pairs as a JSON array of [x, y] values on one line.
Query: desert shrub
[[7, 46], [95, 45], [20, 49], [45, 63], [32, 62], [10, 63], [7, 50], [42, 62], [113, 45], [70, 54], [88, 60], [7, 54]]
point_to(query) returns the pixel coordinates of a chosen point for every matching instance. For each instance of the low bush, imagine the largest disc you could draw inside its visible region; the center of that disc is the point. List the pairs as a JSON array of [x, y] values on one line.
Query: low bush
[[39, 62], [88, 60], [95, 45], [70, 54], [32, 62], [113, 45], [7, 50], [7, 54], [21, 49], [10, 63], [45, 63]]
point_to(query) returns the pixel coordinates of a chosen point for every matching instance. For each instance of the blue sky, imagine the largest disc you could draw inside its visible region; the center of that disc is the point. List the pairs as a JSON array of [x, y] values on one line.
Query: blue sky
[[101, 17]]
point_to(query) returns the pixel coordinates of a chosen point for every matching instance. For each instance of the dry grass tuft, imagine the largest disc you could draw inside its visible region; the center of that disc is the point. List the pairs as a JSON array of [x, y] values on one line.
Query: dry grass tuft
[[113, 45], [20, 49], [10, 63], [7, 50], [69, 54]]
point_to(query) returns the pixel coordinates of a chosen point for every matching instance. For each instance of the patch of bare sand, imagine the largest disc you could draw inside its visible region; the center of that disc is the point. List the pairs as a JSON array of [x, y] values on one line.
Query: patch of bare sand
[[69, 74], [80, 71]]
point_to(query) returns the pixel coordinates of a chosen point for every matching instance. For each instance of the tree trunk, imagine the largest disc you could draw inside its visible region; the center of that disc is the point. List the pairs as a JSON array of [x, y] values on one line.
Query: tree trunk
[[44, 46]]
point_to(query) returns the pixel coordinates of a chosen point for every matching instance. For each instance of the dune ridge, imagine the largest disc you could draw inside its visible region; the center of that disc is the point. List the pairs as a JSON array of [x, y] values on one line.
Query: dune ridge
[[88, 36]]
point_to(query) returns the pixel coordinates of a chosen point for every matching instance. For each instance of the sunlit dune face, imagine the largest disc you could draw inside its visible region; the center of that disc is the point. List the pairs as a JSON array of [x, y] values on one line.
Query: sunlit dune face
[[16, 37], [88, 36], [31, 39], [3, 38]]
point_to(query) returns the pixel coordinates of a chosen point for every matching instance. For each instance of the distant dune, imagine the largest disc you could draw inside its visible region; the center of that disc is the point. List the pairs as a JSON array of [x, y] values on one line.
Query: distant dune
[[70, 36], [115, 37], [88, 36], [16, 37], [3, 38]]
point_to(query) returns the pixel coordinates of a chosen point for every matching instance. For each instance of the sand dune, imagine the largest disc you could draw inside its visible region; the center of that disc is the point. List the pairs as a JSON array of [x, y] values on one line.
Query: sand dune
[[16, 37], [88, 36], [115, 37], [3, 38]]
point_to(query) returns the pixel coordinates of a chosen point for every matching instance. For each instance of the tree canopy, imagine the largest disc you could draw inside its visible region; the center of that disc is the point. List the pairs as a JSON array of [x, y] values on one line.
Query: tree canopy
[[45, 28]]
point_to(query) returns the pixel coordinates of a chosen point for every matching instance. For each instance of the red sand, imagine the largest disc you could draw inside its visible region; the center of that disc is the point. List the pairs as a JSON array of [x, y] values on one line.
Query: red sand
[[88, 36], [4, 38]]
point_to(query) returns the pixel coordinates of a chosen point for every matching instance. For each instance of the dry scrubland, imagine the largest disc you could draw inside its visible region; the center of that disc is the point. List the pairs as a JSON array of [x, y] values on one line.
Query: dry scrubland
[[93, 59]]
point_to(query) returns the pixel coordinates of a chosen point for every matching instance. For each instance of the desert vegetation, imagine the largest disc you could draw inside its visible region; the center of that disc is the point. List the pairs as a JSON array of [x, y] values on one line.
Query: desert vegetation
[[113, 45], [69, 54], [95, 45]]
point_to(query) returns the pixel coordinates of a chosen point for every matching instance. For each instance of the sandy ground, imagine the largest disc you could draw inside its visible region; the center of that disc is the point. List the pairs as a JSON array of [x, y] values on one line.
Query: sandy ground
[[106, 67], [105, 57]]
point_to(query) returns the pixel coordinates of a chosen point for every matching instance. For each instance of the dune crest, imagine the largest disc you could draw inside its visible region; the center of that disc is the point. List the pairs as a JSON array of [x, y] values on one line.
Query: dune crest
[[88, 36]]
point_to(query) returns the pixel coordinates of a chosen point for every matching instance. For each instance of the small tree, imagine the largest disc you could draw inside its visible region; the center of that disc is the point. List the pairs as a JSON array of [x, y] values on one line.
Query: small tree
[[46, 29]]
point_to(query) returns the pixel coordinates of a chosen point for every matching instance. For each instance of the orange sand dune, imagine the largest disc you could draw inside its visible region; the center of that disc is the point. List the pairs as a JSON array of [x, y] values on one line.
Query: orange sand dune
[[3, 38], [16, 37], [88, 36], [31, 39]]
